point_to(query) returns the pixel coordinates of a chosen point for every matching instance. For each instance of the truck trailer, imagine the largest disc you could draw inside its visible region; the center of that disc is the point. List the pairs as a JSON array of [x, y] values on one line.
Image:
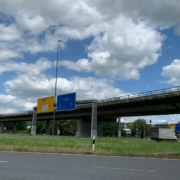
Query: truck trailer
[[162, 134]]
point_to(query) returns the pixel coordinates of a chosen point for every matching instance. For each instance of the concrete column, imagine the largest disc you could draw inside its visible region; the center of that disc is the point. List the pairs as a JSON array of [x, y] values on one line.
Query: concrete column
[[84, 127], [48, 127], [34, 120], [94, 120], [77, 128], [2, 127], [14, 127], [119, 127]]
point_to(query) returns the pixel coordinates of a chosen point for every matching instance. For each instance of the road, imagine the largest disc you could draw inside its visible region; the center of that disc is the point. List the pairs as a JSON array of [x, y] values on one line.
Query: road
[[39, 166]]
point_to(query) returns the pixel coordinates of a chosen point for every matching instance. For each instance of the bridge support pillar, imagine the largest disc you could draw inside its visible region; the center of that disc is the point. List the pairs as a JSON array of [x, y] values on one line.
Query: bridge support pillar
[[119, 127], [2, 127], [34, 120], [14, 127], [78, 127], [83, 128], [94, 120], [48, 127]]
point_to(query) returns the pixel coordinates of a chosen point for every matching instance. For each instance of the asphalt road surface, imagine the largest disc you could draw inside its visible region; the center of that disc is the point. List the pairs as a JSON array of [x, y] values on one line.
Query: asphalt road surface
[[39, 166]]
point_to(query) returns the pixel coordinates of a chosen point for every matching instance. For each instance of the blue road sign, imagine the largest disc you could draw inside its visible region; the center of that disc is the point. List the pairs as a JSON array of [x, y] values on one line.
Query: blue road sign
[[177, 127], [66, 102]]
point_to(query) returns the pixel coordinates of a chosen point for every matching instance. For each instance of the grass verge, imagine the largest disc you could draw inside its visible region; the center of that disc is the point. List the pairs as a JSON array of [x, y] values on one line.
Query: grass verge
[[103, 146]]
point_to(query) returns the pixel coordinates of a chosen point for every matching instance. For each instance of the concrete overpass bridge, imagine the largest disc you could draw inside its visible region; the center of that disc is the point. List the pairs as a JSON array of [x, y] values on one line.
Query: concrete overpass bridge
[[91, 113]]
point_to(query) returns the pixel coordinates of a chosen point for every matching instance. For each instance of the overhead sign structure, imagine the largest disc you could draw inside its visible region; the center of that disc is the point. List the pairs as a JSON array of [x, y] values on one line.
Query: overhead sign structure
[[177, 127], [45, 104], [172, 126], [66, 102]]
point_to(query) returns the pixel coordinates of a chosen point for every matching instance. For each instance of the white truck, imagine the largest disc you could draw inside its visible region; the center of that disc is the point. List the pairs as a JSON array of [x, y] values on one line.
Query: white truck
[[162, 134]]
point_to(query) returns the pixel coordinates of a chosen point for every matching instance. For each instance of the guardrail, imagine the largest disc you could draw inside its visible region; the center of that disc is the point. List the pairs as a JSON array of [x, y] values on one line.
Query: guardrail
[[143, 94], [120, 98]]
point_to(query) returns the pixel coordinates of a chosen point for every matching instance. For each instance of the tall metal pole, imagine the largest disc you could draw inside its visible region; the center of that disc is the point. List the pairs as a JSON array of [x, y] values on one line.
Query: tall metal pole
[[58, 130], [55, 87]]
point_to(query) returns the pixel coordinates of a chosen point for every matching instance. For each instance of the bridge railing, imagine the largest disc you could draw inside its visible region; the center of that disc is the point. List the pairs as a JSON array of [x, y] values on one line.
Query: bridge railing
[[143, 94]]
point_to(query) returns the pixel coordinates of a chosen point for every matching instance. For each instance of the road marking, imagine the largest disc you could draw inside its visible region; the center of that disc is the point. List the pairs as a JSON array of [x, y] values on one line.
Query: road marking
[[3, 161], [152, 171], [92, 155]]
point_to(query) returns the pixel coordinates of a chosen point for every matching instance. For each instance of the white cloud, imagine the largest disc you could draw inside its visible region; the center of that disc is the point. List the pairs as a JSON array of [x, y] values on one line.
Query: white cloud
[[123, 31], [121, 51], [25, 86], [25, 89], [125, 40], [9, 33], [11, 104], [34, 23], [177, 30], [32, 69], [172, 71], [175, 118]]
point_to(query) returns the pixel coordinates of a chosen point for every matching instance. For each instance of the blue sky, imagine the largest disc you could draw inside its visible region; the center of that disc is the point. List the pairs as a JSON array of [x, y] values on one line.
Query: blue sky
[[108, 49]]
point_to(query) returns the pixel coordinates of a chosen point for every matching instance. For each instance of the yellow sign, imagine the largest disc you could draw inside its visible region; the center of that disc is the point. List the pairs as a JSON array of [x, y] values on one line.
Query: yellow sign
[[45, 104], [172, 126]]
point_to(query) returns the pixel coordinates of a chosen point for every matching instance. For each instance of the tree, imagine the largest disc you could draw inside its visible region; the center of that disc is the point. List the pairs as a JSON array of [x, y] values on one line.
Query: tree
[[21, 126], [110, 129], [130, 126], [41, 127], [8, 125], [141, 125], [123, 132], [68, 127]]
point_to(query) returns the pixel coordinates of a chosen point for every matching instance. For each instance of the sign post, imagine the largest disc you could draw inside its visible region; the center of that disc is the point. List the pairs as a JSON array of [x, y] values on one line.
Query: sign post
[[93, 146]]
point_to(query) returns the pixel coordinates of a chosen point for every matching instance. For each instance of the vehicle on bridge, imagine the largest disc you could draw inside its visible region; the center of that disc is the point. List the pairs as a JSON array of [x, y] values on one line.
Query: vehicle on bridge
[[162, 134]]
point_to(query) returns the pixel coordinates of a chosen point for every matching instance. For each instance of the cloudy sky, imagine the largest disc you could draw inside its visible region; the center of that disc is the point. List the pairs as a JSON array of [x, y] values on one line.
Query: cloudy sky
[[108, 49]]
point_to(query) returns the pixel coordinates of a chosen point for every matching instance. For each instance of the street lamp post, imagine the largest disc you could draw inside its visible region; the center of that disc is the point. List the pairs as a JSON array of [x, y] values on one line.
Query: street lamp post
[[58, 129], [55, 86]]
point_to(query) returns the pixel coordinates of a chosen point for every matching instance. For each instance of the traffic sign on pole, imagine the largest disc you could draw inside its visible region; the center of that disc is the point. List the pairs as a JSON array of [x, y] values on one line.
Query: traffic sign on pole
[[177, 127], [45, 104], [66, 102]]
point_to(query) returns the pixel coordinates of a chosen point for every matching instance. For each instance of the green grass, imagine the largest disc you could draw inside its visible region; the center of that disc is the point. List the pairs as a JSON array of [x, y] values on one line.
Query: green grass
[[104, 146]]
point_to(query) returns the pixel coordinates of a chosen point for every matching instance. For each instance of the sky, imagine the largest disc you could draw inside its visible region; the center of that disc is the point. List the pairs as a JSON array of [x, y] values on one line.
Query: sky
[[108, 49]]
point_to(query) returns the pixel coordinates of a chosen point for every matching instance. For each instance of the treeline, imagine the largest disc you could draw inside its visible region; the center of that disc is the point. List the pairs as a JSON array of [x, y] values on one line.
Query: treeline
[[68, 128], [19, 126]]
